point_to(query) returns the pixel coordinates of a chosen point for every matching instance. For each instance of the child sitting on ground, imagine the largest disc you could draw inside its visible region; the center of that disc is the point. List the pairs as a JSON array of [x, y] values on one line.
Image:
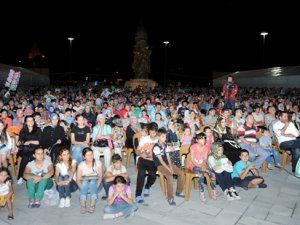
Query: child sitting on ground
[[6, 191], [265, 142], [241, 170], [119, 203], [114, 170]]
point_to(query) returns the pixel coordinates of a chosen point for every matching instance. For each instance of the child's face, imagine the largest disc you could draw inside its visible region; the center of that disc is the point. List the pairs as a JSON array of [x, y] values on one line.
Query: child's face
[[187, 131], [267, 134], [3, 176], [208, 132], [144, 132], [201, 141], [119, 186], [244, 157], [220, 151], [162, 138], [65, 156], [118, 165], [152, 133]]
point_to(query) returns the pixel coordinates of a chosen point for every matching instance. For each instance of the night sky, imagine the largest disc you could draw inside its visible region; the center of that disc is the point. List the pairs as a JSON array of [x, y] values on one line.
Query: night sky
[[214, 36]]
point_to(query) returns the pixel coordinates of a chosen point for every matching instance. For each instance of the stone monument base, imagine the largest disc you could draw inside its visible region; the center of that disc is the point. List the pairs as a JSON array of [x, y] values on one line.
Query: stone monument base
[[145, 83]]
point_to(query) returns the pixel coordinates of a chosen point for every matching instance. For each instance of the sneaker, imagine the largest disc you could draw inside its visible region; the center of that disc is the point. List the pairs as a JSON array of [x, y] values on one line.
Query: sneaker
[[62, 203], [269, 166], [235, 194], [146, 192], [37, 204], [104, 197], [67, 202], [31, 205], [214, 194], [109, 216], [263, 185], [139, 199], [278, 165], [171, 202], [181, 195], [20, 181], [229, 195], [202, 197]]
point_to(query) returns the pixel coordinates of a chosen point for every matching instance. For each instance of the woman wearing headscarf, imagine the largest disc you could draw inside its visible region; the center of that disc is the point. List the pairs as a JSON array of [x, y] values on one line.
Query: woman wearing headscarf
[[222, 168], [53, 137], [222, 134]]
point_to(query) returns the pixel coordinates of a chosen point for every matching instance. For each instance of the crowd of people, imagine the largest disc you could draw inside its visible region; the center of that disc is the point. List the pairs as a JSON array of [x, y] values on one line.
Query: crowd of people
[[57, 137]]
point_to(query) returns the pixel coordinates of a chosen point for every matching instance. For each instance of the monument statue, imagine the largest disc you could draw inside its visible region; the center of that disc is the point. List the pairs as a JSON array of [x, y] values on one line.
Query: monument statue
[[141, 61]]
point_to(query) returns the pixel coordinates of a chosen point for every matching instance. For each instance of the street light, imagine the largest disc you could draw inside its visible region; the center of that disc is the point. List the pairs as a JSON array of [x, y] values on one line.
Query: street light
[[264, 34], [166, 43], [70, 39]]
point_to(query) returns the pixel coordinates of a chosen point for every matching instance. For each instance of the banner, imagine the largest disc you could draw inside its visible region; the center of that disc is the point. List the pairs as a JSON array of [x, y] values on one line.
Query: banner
[[13, 79]]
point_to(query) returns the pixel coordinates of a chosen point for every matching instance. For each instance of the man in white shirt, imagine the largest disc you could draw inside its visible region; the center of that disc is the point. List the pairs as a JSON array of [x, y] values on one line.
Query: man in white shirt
[[287, 134]]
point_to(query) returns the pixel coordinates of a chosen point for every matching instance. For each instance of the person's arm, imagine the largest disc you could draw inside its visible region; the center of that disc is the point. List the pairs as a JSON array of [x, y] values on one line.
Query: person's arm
[[112, 198], [244, 173], [79, 177], [126, 198], [99, 170], [88, 138], [194, 161], [50, 172], [56, 175], [109, 177], [72, 172], [27, 175]]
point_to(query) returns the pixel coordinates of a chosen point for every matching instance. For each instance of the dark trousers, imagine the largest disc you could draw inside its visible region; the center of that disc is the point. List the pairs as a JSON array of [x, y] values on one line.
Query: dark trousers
[[229, 104], [294, 147], [224, 180], [143, 166]]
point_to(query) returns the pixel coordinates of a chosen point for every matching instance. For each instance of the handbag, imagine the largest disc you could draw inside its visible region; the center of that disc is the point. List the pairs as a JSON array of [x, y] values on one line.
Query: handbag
[[101, 143]]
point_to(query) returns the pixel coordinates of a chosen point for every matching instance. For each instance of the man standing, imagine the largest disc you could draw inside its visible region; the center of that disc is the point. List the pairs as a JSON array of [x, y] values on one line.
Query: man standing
[[229, 92]]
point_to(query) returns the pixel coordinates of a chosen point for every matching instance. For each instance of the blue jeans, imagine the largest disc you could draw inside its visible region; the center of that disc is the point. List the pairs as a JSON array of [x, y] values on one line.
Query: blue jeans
[[76, 151], [90, 185], [65, 190], [274, 154], [253, 152], [294, 147], [229, 105], [124, 207]]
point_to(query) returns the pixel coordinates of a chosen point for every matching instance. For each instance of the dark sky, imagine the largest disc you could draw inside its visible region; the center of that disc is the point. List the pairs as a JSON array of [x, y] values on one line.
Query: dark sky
[[204, 37]]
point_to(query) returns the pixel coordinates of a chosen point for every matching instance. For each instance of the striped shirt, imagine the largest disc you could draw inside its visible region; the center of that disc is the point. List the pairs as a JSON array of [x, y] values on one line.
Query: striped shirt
[[248, 133]]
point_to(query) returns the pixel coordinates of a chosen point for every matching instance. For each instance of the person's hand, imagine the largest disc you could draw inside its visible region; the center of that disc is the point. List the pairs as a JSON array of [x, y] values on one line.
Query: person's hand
[[37, 179], [251, 166], [58, 142]]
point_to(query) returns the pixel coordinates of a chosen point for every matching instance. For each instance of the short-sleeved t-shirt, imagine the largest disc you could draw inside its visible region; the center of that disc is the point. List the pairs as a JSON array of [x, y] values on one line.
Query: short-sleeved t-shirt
[[39, 171], [80, 133], [119, 200], [159, 150], [238, 168], [148, 141], [63, 168], [115, 171]]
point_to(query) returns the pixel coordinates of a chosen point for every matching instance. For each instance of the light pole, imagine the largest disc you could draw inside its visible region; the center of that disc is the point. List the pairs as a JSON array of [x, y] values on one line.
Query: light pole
[[70, 55], [166, 43], [263, 34]]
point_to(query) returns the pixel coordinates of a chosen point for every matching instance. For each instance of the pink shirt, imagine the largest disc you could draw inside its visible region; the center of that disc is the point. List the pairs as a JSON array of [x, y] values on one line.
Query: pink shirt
[[186, 140], [200, 156], [119, 200]]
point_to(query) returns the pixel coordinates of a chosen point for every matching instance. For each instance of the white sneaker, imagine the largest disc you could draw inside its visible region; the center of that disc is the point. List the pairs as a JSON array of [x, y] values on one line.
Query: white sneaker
[[108, 216], [62, 203], [67, 202], [20, 181], [229, 195], [235, 194]]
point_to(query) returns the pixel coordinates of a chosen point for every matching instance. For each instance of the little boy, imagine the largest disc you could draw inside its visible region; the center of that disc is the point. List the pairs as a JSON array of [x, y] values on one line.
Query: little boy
[[265, 142], [115, 169], [164, 165], [241, 170]]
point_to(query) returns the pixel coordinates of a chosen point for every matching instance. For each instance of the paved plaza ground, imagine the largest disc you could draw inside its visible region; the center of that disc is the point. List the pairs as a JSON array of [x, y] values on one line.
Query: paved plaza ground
[[278, 204]]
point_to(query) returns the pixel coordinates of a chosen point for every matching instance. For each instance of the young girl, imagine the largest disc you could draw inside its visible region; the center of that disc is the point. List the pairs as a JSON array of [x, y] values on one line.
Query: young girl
[[222, 168], [119, 203], [209, 137], [38, 174], [6, 191], [186, 138], [89, 178], [198, 164], [5, 144], [64, 172]]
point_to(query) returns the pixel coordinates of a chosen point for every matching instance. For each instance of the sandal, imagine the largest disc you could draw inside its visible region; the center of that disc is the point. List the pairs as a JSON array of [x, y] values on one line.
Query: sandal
[[91, 209], [83, 208]]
